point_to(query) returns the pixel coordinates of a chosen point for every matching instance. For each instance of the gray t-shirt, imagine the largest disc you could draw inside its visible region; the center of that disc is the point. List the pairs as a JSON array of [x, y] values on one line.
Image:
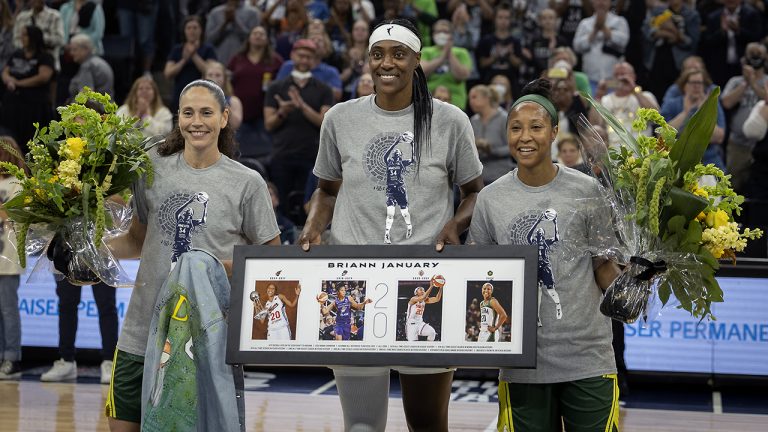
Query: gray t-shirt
[[560, 218], [370, 150], [213, 208]]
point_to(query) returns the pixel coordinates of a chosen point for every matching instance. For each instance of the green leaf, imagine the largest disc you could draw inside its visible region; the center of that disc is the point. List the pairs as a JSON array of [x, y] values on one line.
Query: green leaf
[[664, 292], [626, 137], [690, 147], [714, 290], [693, 234], [682, 295], [676, 224]]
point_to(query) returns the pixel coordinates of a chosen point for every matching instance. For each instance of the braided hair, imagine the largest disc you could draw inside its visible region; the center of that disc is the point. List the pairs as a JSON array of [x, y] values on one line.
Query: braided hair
[[421, 99]]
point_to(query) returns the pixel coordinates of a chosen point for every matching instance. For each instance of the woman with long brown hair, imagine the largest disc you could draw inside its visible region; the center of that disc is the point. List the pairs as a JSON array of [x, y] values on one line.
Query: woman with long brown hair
[[144, 101], [253, 69]]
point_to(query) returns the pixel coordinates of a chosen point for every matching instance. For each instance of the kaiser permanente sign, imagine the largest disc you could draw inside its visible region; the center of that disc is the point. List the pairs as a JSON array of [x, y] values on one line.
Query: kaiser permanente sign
[[736, 343]]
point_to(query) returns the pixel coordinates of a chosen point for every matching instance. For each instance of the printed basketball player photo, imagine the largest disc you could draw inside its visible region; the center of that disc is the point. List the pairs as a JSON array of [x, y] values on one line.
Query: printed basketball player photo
[[420, 310], [274, 309], [487, 306], [342, 308]]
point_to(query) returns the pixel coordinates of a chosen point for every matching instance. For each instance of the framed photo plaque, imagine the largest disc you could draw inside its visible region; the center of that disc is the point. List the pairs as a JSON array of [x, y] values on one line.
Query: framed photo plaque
[[468, 306]]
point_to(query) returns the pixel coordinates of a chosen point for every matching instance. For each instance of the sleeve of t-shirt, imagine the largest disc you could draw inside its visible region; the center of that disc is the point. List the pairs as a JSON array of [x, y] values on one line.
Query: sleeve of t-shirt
[[46, 60], [466, 164], [463, 56], [139, 200], [259, 223], [479, 231], [175, 54], [208, 52], [269, 98], [720, 115], [328, 162]]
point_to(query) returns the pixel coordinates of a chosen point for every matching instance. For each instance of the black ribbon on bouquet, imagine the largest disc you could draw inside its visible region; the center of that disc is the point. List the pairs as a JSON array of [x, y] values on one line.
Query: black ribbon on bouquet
[[651, 268]]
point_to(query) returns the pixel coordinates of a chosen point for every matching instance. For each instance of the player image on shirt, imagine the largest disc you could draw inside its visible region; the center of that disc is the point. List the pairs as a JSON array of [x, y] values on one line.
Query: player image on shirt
[[185, 223], [343, 305], [396, 193], [537, 236], [492, 316], [278, 327]]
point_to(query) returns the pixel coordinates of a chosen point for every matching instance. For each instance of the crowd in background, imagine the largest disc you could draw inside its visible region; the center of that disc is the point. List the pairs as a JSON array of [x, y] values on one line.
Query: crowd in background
[[477, 55]]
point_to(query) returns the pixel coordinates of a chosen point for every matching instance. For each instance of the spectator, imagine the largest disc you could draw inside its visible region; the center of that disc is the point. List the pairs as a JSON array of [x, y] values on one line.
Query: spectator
[[442, 93], [364, 86], [84, 17], [144, 102], [356, 57], [228, 26], [216, 72], [622, 97], [570, 105], [679, 110], [500, 83], [78, 17], [566, 54], [137, 20], [253, 70], [48, 20], [322, 71], [10, 319], [27, 77], [288, 26], [692, 62], [325, 52], [340, 24], [423, 13], [500, 52], [6, 33], [186, 62], [363, 10], [671, 35], [755, 128], [472, 14], [447, 65], [540, 45], [728, 31], [571, 12], [94, 71], [490, 127], [464, 35], [569, 153], [601, 39], [741, 94], [293, 111]]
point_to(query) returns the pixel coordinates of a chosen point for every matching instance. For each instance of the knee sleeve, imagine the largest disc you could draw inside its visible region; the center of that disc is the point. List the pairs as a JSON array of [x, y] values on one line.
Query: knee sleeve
[[364, 395]]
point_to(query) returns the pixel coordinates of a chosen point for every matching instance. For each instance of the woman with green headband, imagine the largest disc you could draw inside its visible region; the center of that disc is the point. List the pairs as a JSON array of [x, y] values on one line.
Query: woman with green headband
[[548, 205]]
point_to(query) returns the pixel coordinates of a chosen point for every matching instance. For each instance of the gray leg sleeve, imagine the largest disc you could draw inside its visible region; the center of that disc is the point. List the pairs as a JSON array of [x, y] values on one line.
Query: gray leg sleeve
[[364, 394]]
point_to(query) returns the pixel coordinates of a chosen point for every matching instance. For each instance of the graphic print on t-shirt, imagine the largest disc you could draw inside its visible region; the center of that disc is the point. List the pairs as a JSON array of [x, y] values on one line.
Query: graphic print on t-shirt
[[181, 216], [386, 166], [539, 228]]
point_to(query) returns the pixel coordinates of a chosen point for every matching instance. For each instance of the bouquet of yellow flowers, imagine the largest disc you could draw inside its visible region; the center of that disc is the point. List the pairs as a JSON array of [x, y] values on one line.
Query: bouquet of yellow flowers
[[74, 165], [672, 225]]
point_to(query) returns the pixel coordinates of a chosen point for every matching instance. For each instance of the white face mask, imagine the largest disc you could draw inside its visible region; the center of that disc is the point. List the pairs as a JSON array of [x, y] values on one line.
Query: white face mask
[[441, 38], [501, 90], [301, 76]]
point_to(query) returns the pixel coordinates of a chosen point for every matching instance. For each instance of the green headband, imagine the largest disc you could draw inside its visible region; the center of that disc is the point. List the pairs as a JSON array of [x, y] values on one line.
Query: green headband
[[541, 100]]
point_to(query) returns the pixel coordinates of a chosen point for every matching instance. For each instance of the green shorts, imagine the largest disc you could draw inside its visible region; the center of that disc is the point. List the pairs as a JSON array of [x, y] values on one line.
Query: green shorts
[[124, 397], [587, 405]]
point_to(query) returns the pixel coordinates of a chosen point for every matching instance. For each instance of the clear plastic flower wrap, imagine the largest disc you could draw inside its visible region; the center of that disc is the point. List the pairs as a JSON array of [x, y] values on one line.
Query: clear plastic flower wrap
[[664, 228], [90, 262]]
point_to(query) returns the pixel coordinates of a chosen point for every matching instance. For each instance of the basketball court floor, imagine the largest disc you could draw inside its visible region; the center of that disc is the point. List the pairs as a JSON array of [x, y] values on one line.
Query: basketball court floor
[[305, 400]]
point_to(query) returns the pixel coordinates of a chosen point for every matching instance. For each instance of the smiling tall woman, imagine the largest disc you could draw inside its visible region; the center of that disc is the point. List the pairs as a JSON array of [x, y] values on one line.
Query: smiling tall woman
[[189, 205], [548, 205], [396, 151]]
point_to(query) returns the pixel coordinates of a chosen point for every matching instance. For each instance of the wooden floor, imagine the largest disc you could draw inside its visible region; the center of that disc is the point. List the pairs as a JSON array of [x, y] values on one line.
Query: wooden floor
[[31, 406]]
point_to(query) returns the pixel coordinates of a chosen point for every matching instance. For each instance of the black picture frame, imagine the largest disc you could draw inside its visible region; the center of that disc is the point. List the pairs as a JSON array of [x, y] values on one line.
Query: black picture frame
[[418, 357]]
